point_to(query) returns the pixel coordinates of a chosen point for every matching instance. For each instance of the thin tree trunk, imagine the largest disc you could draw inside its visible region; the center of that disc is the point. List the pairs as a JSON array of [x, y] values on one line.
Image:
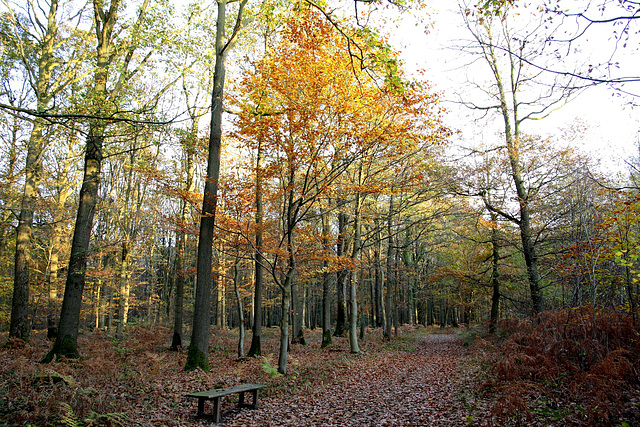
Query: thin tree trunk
[[341, 275], [390, 271], [109, 307], [379, 283], [56, 237], [222, 299], [96, 301], [326, 284], [123, 294], [495, 278], [181, 238], [512, 138], [236, 287], [630, 293], [396, 317], [102, 306], [297, 312], [256, 341], [284, 326], [353, 289]]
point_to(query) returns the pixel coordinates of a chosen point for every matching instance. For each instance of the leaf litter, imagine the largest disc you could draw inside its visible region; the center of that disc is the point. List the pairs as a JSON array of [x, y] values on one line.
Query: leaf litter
[[413, 379]]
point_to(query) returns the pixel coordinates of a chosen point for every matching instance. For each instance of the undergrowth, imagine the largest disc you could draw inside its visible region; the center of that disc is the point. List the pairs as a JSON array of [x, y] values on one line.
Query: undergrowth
[[563, 367]]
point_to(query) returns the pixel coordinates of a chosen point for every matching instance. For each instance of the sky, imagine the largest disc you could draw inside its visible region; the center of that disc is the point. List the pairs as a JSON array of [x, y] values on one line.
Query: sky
[[613, 129]]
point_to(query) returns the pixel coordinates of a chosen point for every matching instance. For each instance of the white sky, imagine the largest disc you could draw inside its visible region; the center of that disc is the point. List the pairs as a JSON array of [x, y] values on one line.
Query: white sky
[[613, 127]]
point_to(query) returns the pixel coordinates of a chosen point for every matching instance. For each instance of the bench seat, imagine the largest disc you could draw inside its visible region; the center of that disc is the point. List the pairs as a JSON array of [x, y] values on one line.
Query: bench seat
[[217, 394]]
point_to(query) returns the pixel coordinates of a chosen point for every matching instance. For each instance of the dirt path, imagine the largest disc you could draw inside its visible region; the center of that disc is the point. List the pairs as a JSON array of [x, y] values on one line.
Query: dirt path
[[397, 388]]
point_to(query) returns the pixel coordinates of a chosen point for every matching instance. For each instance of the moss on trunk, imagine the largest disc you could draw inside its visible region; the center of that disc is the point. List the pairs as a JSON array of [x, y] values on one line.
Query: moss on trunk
[[326, 339], [63, 347], [196, 359]]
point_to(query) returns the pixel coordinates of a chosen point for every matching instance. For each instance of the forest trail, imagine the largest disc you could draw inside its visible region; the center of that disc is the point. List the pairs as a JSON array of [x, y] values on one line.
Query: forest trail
[[395, 388]]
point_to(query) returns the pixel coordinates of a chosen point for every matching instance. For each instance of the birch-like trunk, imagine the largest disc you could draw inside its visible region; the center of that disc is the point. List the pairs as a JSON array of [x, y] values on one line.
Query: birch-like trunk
[[353, 288], [236, 287]]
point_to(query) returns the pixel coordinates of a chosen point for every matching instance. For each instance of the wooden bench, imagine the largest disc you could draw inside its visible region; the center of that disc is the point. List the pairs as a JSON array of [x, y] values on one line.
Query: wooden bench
[[215, 395]]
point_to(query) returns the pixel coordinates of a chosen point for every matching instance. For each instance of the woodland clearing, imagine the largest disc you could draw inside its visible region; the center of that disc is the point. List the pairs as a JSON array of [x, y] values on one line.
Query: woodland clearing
[[424, 376]]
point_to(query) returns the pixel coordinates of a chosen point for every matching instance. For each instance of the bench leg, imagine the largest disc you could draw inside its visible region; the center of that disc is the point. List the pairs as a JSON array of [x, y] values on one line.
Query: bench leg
[[255, 399], [241, 399], [216, 410], [200, 406]]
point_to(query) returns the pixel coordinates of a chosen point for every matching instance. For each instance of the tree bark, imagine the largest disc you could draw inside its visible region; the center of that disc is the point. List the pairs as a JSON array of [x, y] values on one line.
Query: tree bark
[[378, 279], [341, 275], [512, 139], [123, 291], [65, 344], [256, 340], [296, 311], [19, 323], [181, 240], [55, 243], [353, 288], [495, 278], [199, 346], [391, 256], [326, 284], [236, 287], [284, 326], [104, 24]]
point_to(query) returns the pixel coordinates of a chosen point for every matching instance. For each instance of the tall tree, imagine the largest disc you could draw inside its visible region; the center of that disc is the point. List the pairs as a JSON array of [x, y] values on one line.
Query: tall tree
[[41, 78], [510, 77], [191, 91], [199, 346], [101, 97], [256, 340], [315, 126]]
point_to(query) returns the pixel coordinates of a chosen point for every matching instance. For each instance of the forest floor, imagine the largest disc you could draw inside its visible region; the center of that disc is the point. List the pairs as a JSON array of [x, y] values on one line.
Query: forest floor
[[415, 379], [422, 377], [412, 384]]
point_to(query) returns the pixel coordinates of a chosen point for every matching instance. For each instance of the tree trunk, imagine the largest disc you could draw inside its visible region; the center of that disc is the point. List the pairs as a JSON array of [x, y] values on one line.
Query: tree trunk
[[454, 317], [181, 240], [97, 298], [396, 319], [630, 291], [379, 283], [296, 311], [109, 307], [102, 306], [512, 138], [236, 287], [256, 341], [391, 256], [199, 347], [221, 299], [123, 294], [284, 326], [326, 284], [353, 289], [364, 322], [341, 276], [66, 343], [495, 278], [55, 242], [19, 323]]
